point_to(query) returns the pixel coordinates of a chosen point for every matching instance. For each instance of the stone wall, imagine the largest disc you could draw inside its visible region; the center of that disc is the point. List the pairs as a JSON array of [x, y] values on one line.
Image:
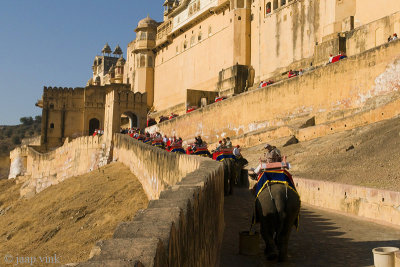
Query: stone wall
[[183, 224], [41, 170], [378, 205], [155, 169], [328, 93]]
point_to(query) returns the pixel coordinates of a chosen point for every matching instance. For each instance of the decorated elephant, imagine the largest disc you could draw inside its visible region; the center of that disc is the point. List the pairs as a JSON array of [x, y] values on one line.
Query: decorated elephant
[[277, 210]]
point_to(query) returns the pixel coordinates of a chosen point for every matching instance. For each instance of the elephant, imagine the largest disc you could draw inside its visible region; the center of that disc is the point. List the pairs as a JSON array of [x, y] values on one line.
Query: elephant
[[277, 210], [229, 175]]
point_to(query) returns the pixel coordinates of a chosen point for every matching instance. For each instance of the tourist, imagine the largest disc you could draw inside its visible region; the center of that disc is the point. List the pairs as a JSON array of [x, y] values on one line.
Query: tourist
[[394, 37], [301, 72], [219, 147], [389, 38], [330, 58], [273, 154], [223, 143], [261, 84], [236, 152], [228, 143]]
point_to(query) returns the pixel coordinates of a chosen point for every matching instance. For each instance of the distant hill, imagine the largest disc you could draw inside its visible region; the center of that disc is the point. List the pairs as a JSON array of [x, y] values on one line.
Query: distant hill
[[11, 136]]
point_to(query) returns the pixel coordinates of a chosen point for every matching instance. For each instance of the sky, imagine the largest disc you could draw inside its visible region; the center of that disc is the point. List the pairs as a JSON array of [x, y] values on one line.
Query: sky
[[54, 42]]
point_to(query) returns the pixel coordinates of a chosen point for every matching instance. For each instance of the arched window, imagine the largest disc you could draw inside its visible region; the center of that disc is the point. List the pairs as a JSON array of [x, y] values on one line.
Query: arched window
[[51, 125], [199, 37], [142, 61], [275, 4], [192, 41], [268, 8], [184, 45], [143, 36], [94, 124], [149, 61]]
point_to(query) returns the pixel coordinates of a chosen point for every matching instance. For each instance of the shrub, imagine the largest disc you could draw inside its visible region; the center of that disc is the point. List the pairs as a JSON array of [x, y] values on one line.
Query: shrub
[[9, 132], [16, 140]]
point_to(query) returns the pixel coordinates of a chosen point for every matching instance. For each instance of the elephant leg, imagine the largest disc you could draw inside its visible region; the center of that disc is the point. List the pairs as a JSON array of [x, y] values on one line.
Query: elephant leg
[[267, 226], [231, 175], [283, 242]]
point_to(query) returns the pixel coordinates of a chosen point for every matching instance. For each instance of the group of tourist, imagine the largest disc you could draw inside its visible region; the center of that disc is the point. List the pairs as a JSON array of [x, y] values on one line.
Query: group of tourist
[[392, 38], [294, 73], [265, 83], [340, 56], [98, 132]]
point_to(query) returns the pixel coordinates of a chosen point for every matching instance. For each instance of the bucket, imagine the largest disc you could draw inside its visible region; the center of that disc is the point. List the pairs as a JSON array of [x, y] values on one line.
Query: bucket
[[249, 244], [384, 256]]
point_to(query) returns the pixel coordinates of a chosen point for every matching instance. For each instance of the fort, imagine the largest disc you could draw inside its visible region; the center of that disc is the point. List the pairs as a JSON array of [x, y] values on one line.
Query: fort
[[205, 49]]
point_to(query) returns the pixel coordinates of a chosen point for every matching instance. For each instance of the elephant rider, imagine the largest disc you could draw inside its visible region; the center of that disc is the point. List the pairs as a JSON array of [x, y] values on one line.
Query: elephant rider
[[219, 147], [228, 143], [272, 155], [236, 152], [223, 143]]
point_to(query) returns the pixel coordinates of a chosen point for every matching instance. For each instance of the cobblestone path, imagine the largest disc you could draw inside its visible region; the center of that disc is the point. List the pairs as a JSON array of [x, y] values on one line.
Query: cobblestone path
[[324, 238]]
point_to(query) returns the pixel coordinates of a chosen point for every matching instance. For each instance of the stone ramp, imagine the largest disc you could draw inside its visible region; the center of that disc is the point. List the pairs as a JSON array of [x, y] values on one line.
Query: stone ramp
[[324, 238]]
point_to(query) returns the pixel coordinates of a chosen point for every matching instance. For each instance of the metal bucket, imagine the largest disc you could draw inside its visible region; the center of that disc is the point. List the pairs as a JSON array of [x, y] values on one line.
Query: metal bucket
[[384, 256], [249, 244]]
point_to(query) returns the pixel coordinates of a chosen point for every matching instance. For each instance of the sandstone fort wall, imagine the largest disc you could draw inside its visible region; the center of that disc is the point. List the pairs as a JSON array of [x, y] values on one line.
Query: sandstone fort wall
[[183, 224], [42, 170], [328, 93]]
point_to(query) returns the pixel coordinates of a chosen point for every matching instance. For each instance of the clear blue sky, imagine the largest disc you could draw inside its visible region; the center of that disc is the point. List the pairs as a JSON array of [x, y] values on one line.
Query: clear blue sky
[[53, 43]]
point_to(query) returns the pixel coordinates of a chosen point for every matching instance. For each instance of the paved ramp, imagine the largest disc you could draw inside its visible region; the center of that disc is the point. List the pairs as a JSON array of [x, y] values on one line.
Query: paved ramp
[[324, 238]]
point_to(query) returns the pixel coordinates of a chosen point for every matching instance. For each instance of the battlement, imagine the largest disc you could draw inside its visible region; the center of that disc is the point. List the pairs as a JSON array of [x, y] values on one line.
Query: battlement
[[49, 91]]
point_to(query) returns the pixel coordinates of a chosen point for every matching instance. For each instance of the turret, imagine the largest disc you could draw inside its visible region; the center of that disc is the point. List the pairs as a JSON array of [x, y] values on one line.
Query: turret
[[144, 58]]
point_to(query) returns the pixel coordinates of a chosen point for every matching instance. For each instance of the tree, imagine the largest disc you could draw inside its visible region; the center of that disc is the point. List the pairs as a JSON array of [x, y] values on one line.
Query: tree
[[38, 119], [16, 140], [26, 120]]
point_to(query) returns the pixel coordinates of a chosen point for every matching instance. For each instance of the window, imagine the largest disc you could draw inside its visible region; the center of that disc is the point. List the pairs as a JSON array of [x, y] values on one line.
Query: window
[[177, 50], [268, 8], [185, 45], [142, 36], [283, 2], [142, 61], [51, 125], [199, 37], [275, 4], [51, 106], [149, 61], [209, 30], [192, 41]]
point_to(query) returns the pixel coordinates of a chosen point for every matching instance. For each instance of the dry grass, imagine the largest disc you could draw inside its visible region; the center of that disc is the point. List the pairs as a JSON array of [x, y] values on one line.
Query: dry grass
[[69, 218]]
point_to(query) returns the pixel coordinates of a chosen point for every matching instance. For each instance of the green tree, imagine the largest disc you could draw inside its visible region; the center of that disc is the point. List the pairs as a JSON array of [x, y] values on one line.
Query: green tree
[[26, 120], [38, 119], [16, 140]]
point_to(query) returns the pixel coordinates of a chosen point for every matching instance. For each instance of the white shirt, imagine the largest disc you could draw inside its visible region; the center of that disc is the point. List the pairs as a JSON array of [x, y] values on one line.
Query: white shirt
[[260, 166], [236, 152]]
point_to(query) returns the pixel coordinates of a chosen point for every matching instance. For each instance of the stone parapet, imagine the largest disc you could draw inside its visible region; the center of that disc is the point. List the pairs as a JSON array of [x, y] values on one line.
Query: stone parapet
[[378, 205], [183, 224]]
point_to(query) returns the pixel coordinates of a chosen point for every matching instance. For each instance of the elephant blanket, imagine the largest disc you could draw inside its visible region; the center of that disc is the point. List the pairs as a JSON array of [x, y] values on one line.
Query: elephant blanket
[[275, 176]]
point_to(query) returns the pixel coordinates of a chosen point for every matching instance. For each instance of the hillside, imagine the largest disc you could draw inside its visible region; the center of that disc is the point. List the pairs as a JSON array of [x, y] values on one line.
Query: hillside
[[367, 156], [69, 218], [12, 136]]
